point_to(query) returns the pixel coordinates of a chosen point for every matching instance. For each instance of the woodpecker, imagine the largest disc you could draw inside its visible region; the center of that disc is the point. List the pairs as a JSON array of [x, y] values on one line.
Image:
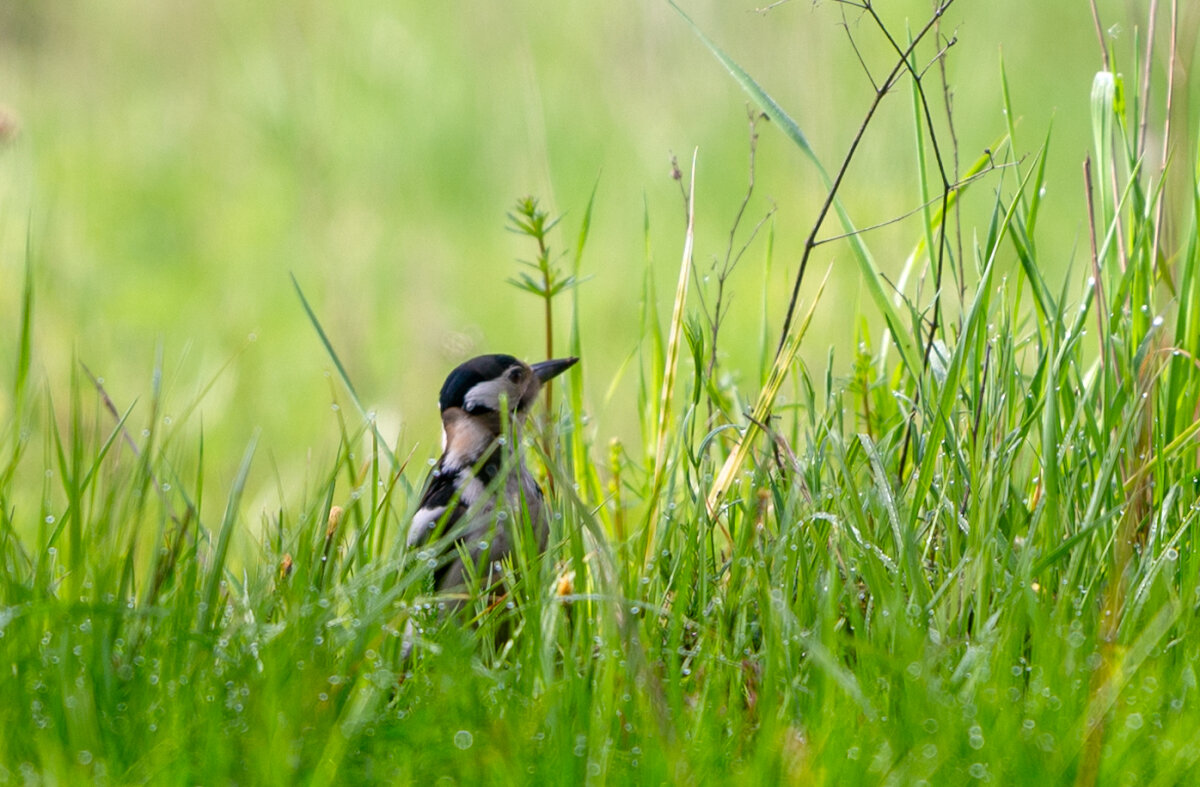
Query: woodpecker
[[465, 497]]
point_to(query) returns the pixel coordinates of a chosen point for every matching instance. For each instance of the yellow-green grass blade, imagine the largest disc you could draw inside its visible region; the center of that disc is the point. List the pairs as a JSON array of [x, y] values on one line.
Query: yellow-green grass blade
[[669, 367], [762, 407]]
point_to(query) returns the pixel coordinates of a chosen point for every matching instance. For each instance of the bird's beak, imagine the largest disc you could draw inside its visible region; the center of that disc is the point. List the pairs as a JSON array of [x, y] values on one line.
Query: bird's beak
[[546, 370]]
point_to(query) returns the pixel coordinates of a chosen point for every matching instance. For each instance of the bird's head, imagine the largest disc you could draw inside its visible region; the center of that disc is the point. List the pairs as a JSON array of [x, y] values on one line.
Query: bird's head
[[474, 395], [482, 385]]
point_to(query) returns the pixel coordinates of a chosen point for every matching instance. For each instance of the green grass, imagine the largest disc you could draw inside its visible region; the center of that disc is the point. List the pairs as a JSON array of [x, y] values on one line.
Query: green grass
[[979, 566]]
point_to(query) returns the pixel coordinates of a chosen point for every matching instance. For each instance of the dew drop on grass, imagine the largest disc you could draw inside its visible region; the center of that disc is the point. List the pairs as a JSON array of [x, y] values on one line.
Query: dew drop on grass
[[463, 740]]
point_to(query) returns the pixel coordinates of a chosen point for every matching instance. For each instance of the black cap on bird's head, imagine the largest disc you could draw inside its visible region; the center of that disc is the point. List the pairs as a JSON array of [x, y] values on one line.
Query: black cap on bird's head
[[478, 385]]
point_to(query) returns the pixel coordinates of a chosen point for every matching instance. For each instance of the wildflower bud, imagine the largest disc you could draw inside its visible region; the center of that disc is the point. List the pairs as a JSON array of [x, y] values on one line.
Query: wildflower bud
[[566, 585], [335, 517]]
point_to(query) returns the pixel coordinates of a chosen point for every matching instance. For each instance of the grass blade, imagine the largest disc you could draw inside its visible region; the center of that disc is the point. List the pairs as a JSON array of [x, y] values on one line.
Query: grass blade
[[337, 362]]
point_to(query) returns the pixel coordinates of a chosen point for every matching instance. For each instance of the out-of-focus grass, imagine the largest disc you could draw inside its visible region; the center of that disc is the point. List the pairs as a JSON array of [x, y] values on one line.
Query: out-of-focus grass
[[177, 161]]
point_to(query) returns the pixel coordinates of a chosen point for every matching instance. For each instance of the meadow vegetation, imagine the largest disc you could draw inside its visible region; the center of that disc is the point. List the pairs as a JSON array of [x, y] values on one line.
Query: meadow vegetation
[[957, 545]]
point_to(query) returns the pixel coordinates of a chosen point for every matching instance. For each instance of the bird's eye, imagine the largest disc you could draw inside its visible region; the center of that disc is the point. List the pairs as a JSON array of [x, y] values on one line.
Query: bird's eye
[[514, 374]]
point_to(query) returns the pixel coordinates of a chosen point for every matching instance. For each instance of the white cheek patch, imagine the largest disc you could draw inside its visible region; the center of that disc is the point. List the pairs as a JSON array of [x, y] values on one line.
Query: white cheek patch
[[487, 394]]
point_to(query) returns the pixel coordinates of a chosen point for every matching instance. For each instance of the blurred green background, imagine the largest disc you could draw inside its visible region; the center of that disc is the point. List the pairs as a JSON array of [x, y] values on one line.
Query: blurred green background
[[175, 161]]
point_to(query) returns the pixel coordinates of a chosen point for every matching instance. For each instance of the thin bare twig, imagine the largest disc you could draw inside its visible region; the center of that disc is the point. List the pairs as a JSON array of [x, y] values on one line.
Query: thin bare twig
[[1146, 66], [948, 102], [947, 188], [854, 46], [1166, 143], [827, 205], [1100, 35], [731, 259], [990, 168]]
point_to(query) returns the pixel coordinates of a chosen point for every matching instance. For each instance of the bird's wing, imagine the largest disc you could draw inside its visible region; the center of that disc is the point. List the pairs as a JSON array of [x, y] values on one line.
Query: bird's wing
[[439, 494]]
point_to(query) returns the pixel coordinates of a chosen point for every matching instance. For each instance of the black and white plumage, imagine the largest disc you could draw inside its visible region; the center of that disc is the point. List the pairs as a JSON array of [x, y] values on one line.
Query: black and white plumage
[[479, 475]]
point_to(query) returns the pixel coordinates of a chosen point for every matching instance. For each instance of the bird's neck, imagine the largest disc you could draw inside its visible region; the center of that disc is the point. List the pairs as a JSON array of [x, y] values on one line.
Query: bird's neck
[[467, 439]]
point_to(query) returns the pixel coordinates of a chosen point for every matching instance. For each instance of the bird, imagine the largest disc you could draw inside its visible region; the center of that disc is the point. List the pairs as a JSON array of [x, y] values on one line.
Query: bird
[[480, 488]]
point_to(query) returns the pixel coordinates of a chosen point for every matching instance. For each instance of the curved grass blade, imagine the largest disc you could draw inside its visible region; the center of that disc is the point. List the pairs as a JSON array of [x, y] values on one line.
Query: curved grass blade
[[337, 362]]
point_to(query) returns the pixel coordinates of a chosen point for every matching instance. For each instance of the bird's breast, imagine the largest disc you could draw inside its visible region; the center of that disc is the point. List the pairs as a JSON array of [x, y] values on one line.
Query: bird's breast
[[465, 439]]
